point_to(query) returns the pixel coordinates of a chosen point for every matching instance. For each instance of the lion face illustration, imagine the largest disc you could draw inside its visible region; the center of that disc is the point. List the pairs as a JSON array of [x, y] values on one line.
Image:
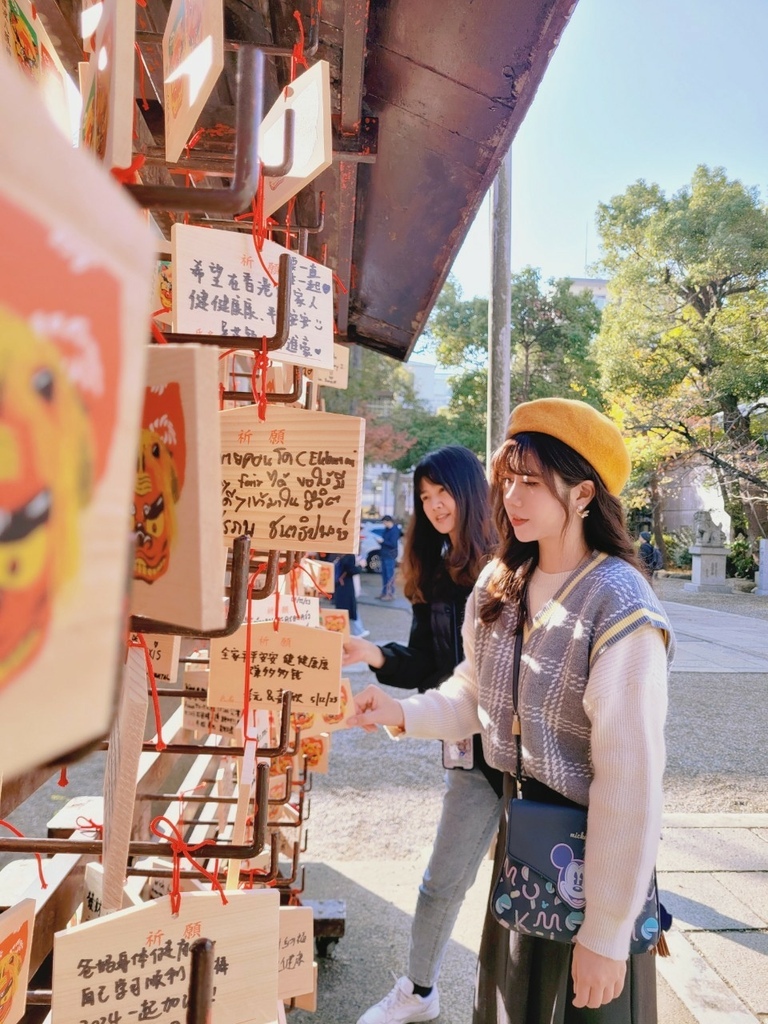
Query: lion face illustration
[[12, 954], [312, 748], [302, 719], [159, 480], [46, 468]]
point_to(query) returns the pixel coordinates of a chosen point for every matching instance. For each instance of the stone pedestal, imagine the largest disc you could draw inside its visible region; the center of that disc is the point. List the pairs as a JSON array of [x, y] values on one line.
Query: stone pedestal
[[708, 570], [762, 575]]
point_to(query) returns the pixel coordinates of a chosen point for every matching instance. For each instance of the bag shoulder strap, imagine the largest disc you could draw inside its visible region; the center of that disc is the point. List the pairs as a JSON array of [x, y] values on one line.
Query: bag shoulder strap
[[516, 732]]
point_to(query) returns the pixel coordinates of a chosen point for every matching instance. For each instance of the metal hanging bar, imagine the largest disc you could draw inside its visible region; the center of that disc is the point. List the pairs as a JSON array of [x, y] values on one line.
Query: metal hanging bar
[[235, 198], [200, 993], [272, 396], [190, 873], [207, 848]]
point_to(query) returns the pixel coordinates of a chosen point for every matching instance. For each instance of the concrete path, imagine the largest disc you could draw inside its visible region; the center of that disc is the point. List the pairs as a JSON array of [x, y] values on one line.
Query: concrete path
[[717, 641]]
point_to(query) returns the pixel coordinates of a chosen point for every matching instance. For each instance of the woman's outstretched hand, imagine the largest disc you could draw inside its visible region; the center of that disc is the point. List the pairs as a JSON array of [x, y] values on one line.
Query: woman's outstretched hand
[[596, 979], [373, 707], [356, 649]]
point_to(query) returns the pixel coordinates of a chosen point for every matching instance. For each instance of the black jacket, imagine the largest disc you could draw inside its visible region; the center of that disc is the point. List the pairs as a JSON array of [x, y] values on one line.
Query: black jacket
[[434, 649]]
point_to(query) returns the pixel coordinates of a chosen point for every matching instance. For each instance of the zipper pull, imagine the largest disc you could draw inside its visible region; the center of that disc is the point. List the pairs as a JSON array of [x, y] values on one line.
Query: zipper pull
[[516, 724]]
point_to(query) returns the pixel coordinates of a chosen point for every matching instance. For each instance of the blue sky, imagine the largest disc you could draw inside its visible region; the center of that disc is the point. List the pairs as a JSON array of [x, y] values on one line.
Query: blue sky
[[636, 89]]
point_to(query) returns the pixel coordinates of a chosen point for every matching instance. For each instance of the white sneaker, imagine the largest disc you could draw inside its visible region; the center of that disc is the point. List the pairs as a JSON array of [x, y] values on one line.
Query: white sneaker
[[401, 1006]]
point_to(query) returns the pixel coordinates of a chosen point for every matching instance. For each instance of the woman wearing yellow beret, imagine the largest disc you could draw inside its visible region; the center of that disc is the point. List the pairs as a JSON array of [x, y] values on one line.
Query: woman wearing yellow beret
[[596, 647]]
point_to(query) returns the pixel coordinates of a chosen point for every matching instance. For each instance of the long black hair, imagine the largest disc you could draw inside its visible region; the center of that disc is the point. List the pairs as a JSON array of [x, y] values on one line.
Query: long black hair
[[430, 560], [604, 529]]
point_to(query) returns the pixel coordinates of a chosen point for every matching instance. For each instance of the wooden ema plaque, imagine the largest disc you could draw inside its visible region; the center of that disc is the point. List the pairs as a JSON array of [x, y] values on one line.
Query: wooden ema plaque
[[246, 777], [193, 57], [309, 96], [164, 654], [305, 661], [295, 976], [106, 122], [335, 619], [205, 720], [74, 302], [178, 571], [16, 927], [293, 482], [134, 965], [222, 288], [338, 377], [319, 577], [301, 611]]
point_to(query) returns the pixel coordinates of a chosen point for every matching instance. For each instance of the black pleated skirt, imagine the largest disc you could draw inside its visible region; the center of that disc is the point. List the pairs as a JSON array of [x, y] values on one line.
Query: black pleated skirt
[[526, 980]]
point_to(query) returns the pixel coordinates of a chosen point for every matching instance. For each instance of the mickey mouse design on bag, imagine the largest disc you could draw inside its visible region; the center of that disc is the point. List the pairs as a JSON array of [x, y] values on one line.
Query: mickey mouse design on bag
[[570, 878]]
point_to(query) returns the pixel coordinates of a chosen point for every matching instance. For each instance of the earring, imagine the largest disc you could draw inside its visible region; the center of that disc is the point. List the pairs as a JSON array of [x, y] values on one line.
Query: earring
[[582, 513]]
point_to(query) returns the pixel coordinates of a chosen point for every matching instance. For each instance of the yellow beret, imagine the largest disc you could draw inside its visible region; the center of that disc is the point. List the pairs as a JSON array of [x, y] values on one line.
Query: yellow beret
[[587, 431]]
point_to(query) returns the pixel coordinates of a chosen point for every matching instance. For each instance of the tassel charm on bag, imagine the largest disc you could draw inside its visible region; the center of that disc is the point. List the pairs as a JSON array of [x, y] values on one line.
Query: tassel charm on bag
[[661, 948]]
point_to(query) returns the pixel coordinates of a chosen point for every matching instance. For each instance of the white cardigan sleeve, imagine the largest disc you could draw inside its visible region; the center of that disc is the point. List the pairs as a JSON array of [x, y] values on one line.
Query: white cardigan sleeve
[[626, 701], [450, 711]]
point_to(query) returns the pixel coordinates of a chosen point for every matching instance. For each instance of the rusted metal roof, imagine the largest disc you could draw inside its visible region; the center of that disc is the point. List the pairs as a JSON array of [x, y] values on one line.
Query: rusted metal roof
[[427, 98]]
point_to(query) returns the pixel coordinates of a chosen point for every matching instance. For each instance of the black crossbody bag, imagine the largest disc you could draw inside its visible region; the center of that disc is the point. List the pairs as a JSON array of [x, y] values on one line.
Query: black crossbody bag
[[540, 889]]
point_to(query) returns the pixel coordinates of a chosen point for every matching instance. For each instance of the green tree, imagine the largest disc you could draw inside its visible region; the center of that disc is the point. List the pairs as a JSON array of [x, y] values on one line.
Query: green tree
[[551, 338], [683, 344], [551, 341]]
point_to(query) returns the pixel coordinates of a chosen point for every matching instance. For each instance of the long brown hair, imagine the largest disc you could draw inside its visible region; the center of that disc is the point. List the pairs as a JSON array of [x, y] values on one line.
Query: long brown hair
[[604, 530], [430, 562]]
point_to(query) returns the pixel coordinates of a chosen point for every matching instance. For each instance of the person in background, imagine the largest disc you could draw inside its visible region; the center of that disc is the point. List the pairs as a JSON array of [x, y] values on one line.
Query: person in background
[[596, 647], [390, 539], [345, 568], [650, 556], [448, 541]]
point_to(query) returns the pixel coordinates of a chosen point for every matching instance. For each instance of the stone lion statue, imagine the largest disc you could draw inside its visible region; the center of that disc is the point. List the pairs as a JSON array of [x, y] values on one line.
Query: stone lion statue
[[706, 532]]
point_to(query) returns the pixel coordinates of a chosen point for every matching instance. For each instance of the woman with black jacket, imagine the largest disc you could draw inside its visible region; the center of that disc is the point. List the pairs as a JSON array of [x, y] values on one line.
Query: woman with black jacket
[[449, 540]]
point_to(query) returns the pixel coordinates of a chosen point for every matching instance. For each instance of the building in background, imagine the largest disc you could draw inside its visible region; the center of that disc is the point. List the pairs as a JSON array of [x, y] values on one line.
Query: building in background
[[597, 286]]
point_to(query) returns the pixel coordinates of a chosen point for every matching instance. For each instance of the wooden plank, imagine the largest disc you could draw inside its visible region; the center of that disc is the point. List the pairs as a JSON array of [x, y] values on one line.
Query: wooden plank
[[120, 775]]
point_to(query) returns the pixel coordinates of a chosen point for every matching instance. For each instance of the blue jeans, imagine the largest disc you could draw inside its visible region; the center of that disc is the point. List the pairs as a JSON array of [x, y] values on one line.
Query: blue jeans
[[468, 823], [388, 575]]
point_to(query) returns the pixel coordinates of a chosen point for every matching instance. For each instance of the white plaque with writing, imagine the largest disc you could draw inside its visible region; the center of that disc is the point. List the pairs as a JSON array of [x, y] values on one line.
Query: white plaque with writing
[[221, 287], [338, 377], [301, 611]]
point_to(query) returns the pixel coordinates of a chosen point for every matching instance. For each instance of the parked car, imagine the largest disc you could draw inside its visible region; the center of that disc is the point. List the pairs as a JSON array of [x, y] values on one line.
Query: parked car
[[371, 532]]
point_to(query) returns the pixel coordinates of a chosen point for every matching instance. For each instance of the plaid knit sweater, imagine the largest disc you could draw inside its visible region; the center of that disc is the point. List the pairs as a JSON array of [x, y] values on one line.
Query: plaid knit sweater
[[592, 704]]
